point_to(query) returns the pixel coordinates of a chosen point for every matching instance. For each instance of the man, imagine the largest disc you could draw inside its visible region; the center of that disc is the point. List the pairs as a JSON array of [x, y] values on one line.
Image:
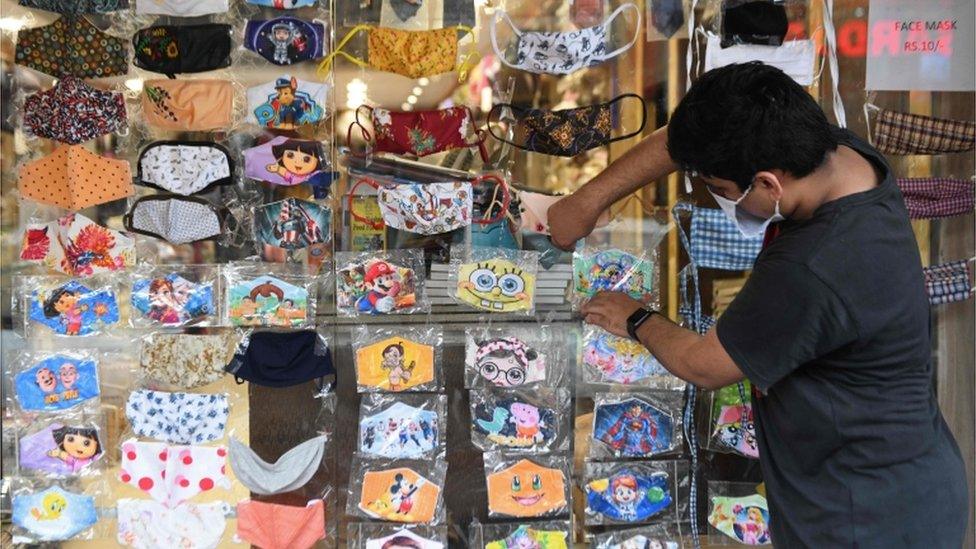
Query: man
[[832, 326]]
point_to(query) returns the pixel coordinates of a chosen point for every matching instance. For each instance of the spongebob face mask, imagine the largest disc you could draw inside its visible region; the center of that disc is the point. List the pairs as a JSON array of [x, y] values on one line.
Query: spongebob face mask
[[394, 364], [496, 285], [526, 489], [399, 495]]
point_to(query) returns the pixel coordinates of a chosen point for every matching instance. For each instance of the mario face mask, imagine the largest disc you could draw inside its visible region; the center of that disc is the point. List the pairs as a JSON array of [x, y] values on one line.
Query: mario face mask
[[375, 286], [526, 489], [267, 301], [496, 285], [745, 520], [633, 428], [629, 495], [77, 246], [514, 423], [172, 300], [400, 431], [57, 383], [612, 359], [74, 309], [394, 364], [399, 495]]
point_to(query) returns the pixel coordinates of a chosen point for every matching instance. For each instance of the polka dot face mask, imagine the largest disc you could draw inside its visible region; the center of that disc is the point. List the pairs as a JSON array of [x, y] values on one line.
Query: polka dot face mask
[[173, 474], [176, 219], [73, 112], [72, 47], [74, 178]]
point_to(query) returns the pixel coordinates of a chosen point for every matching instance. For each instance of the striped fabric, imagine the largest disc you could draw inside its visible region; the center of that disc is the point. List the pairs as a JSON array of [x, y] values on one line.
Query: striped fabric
[[905, 133], [948, 282], [934, 197]]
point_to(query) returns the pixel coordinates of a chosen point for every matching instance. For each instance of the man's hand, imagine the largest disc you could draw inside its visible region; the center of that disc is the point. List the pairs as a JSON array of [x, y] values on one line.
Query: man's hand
[[610, 310], [571, 219]]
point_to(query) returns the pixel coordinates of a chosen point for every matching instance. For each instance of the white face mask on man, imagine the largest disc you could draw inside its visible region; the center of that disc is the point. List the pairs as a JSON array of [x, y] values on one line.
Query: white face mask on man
[[748, 224]]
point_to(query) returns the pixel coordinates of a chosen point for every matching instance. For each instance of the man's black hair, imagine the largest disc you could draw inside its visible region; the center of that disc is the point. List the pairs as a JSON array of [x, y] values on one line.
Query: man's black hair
[[745, 118]]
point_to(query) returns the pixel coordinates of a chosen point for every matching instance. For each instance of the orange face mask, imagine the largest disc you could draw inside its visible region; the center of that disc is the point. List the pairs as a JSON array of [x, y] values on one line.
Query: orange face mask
[[74, 178], [526, 489], [272, 526], [394, 364], [399, 495], [188, 105]]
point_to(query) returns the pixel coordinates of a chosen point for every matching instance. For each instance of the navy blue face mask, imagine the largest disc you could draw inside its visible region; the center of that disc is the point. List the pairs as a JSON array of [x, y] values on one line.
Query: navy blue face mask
[[282, 359]]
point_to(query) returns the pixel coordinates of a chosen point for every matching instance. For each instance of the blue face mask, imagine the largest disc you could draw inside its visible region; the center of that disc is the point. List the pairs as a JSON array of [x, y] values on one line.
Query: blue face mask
[[57, 383], [714, 241], [282, 359], [54, 514], [400, 431]]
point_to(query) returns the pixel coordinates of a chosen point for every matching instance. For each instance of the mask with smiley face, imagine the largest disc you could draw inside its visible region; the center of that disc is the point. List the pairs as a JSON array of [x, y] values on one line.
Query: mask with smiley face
[[498, 281], [527, 488]]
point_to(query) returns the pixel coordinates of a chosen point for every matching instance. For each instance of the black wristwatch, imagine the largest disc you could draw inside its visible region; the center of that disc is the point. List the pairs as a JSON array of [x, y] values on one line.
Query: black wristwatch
[[635, 320]]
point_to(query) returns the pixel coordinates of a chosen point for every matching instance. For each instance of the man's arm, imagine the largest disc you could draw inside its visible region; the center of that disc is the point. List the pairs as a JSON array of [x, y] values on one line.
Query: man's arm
[[575, 216], [697, 359]]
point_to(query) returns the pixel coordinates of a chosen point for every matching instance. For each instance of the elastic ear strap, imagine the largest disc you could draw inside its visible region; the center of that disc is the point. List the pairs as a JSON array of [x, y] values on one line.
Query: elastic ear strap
[[326, 63], [643, 115], [352, 211], [481, 137], [366, 135], [506, 199], [637, 31], [494, 36], [469, 60], [488, 123]]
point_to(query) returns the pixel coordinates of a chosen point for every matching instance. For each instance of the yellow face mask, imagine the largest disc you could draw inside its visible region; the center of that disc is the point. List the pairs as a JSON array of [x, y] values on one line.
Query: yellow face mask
[[399, 495], [394, 364], [526, 489], [496, 285], [408, 53]]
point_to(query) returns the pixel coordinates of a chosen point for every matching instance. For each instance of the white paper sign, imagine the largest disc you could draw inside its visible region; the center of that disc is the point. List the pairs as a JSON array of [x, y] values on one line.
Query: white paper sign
[[921, 45]]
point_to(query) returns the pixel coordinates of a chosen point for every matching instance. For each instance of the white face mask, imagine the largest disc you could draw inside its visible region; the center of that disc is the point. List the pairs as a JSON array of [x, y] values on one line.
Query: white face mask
[[795, 58], [181, 8], [749, 225]]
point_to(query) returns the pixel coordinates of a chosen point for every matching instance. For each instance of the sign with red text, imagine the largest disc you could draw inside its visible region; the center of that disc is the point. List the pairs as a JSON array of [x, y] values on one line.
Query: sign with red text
[[926, 46]]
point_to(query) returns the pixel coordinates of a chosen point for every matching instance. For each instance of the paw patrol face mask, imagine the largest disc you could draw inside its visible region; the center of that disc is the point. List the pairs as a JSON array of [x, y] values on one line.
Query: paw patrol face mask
[[287, 103], [745, 519], [54, 514], [57, 383]]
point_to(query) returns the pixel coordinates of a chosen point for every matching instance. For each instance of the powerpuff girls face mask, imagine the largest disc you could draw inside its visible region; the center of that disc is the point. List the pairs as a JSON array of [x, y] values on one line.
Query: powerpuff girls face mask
[[496, 285], [57, 383]]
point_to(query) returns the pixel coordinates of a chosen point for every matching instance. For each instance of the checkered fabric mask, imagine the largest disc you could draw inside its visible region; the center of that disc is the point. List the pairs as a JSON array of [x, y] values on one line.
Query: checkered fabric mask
[[904, 133], [933, 197], [948, 282], [714, 242]]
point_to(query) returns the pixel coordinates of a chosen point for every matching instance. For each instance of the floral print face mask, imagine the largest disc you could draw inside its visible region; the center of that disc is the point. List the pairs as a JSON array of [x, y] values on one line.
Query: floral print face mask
[[77, 246], [186, 360], [73, 112], [72, 47], [419, 133]]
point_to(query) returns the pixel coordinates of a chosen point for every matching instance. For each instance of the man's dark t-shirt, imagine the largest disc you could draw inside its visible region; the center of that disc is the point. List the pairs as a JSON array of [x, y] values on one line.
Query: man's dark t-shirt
[[833, 327]]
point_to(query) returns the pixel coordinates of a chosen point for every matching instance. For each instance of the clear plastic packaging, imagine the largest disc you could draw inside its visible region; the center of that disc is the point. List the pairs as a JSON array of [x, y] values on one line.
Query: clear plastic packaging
[[65, 307], [76, 246], [403, 426], [632, 492], [601, 269], [67, 444], [512, 356], [658, 536], [368, 535], [285, 358], [510, 535], [185, 361], [731, 428], [607, 359], [738, 514], [527, 486], [264, 294], [391, 282], [496, 280], [398, 358], [50, 511], [54, 381], [408, 491], [177, 417], [522, 420], [172, 296], [636, 425]]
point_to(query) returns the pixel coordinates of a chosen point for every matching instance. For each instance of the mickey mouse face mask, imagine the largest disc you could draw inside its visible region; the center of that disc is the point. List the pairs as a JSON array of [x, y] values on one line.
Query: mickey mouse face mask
[[399, 495], [172, 50], [286, 40], [73, 112]]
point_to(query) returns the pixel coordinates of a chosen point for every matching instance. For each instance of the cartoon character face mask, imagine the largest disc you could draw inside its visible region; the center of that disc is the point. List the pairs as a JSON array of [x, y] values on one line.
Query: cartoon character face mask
[[505, 361], [144, 523], [72, 46], [283, 4], [745, 519], [292, 224], [57, 382], [172, 474], [188, 105], [514, 422], [405, 52], [172, 300], [177, 418], [286, 40], [734, 428], [613, 271], [176, 219], [286, 161], [186, 360], [394, 364], [54, 514], [419, 133], [496, 285], [76, 7], [399, 495], [290, 472], [61, 449], [73, 112], [74, 178], [267, 301], [633, 428], [400, 431], [612, 359], [562, 52], [172, 50], [628, 495], [77, 246], [181, 8], [526, 536], [375, 286], [273, 526], [185, 167], [287, 103], [403, 538], [526, 489], [73, 309]]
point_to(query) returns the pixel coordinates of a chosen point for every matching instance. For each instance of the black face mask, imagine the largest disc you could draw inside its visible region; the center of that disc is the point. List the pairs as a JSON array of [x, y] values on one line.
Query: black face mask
[[760, 22], [172, 50], [282, 359]]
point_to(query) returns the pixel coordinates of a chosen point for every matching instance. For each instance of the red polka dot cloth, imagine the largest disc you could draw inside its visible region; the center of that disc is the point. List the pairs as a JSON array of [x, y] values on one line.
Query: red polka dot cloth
[[173, 474], [74, 178], [72, 46], [74, 112]]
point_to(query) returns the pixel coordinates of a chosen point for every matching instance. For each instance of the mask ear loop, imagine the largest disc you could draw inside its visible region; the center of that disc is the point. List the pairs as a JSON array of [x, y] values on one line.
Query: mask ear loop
[[326, 64], [352, 194], [643, 121], [515, 110], [505, 202], [481, 136], [493, 33], [471, 58], [823, 60], [362, 129], [637, 32]]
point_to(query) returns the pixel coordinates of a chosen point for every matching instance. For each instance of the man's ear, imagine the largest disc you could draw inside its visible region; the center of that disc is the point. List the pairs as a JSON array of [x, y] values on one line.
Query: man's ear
[[770, 181]]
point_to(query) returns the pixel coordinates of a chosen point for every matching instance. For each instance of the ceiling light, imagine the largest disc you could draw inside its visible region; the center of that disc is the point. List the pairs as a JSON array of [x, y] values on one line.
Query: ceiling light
[[356, 91], [412, 99]]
